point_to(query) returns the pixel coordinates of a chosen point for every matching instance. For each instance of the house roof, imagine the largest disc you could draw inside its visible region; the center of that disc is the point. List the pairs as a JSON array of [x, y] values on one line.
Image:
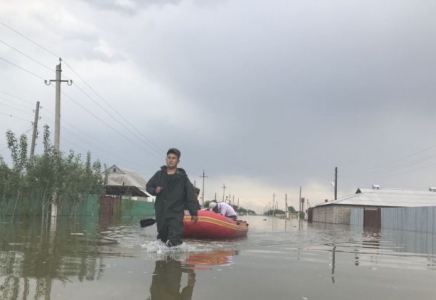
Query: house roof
[[387, 198], [123, 181]]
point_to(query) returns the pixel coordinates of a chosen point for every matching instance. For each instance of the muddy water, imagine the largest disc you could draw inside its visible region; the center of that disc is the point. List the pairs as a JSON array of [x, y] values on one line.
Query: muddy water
[[86, 259]]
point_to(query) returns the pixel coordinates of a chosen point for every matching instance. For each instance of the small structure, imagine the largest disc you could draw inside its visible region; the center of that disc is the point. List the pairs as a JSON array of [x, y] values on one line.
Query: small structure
[[124, 182], [381, 208]]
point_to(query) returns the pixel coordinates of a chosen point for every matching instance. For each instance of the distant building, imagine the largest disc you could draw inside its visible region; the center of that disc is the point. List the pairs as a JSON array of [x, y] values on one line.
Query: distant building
[[124, 182], [381, 208]]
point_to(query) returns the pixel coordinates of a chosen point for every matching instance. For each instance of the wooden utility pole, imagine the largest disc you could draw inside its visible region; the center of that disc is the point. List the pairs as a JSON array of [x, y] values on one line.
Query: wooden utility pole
[[224, 191], [202, 191], [35, 131], [336, 183]]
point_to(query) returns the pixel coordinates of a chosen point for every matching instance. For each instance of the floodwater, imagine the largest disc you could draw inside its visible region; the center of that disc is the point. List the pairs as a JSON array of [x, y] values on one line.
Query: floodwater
[[279, 259]]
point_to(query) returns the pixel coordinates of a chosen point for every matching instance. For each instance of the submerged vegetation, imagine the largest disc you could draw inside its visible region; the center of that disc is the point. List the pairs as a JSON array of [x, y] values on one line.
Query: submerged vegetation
[[29, 186]]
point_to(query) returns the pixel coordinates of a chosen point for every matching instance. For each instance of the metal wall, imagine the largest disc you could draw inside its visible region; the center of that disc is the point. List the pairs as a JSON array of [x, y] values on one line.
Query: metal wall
[[419, 219], [356, 216]]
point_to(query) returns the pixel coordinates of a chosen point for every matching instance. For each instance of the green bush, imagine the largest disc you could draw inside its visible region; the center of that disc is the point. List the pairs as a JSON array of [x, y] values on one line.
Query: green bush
[[31, 185]]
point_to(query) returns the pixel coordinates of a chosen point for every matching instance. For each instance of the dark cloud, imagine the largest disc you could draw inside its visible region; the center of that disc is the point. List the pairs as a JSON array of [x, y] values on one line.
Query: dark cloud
[[280, 93]]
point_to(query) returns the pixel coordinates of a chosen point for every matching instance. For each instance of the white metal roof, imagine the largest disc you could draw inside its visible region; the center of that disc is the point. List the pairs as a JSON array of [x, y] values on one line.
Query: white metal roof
[[387, 197], [118, 176]]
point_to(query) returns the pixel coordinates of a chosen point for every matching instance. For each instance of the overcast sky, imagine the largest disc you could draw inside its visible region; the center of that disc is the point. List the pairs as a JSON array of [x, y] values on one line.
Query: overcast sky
[[264, 96]]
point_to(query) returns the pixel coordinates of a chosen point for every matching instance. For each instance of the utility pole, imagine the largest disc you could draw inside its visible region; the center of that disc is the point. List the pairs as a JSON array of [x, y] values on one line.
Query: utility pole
[[58, 103], [35, 131], [224, 190], [286, 206], [58, 80], [336, 183], [274, 208], [202, 193], [299, 205], [215, 197]]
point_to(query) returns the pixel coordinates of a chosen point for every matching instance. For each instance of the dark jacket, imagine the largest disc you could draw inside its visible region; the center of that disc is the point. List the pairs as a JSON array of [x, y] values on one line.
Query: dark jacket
[[167, 279], [171, 201]]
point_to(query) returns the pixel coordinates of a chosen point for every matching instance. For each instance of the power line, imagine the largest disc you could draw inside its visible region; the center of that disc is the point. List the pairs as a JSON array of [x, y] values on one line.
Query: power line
[[14, 103], [91, 142], [45, 66], [54, 54], [399, 166], [98, 118], [29, 39], [107, 103], [16, 97], [31, 73], [15, 108], [14, 117], [98, 155], [128, 129], [410, 171]]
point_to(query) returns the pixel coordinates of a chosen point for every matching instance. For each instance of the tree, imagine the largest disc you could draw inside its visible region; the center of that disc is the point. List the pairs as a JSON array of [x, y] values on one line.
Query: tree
[[47, 178], [292, 210]]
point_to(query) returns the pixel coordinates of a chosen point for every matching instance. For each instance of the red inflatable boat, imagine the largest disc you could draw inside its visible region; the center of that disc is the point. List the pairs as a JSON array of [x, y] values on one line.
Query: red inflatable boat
[[211, 225]]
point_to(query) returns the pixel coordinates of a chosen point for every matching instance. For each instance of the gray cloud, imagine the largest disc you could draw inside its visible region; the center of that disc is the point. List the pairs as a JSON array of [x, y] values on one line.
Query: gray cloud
[[281, 93], [131, 7]]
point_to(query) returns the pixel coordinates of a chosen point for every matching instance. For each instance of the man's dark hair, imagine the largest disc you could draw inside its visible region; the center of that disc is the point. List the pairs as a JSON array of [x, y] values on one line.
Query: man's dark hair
[[175, 152]]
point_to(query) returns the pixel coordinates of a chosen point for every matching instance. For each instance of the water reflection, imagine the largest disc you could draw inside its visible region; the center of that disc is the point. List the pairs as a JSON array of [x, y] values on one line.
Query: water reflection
[[33, 257], [88, 259], [375, 248], [209, 259], [167, 276]]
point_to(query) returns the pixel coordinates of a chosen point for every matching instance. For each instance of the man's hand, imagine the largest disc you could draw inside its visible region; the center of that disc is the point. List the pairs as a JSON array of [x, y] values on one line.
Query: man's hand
[[158, 190], [194, 219]]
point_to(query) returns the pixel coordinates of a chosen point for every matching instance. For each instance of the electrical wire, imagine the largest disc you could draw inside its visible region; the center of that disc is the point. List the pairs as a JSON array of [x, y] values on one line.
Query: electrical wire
[[115, 118], [109, 126], [15, 65], [18, 104], [1, 103], [158, 149], [22, 53], [22, 35], [91, 142], [10, 95]]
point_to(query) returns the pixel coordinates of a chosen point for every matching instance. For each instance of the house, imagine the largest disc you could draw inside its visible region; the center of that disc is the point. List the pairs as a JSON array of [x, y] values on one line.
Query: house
[[381, 208], [124, 182]]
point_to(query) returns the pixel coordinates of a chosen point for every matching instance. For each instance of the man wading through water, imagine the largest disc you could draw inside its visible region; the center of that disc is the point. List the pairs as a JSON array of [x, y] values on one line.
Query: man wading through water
[[173, 191]]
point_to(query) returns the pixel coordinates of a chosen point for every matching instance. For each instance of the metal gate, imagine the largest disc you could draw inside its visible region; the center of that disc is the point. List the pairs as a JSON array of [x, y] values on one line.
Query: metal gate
[[372, 218]]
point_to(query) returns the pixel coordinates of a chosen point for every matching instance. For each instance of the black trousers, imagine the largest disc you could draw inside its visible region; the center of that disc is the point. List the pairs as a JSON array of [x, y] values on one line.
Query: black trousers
[[171, 232]]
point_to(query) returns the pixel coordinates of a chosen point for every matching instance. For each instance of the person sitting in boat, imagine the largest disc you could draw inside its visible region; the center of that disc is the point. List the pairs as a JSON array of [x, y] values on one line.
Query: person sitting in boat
[[223, 208], [196, 193]]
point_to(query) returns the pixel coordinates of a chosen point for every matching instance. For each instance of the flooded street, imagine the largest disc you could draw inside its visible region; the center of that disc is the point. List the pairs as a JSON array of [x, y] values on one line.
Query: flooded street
[[278, 260]]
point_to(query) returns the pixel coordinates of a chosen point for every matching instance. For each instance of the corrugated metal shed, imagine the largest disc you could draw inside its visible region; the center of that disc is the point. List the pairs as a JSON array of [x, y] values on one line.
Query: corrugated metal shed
[[123, 181], [387, 198]]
